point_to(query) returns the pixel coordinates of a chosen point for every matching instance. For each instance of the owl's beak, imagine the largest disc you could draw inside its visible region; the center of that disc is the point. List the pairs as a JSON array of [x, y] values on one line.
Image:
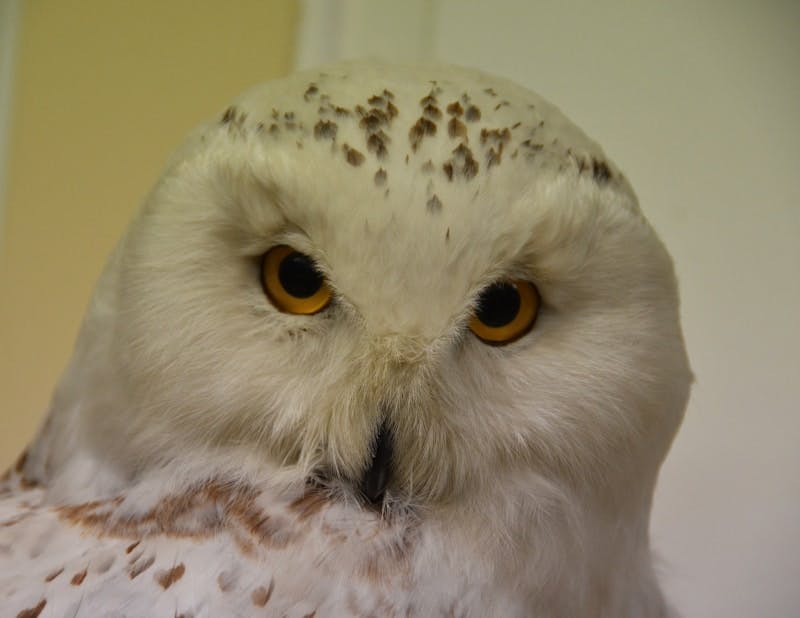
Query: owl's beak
[[378, 474]]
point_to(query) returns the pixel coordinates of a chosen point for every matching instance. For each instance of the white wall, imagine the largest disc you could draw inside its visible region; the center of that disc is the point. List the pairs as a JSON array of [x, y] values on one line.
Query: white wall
[[699, 102]]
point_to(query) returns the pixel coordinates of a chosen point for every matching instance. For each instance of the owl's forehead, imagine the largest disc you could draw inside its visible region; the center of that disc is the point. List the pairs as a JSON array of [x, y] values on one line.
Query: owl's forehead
[[437, 172], [443, 129]]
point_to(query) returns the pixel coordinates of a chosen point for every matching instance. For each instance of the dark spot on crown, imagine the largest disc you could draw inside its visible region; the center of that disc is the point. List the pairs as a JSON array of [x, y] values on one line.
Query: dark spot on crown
[[310, 91], [495, 136], [273, 129], [377, 143], [428, 100], [325, 129], [455, 109], [228, 115], [516, 125], [490, 92], [353, 156], [531, 148], [501, 104], [432, 112], [373, 119], [456, 128], [434, 204], [494, 157], [380, 177], [462, 163], [473, 114], [600, 172], [275, 114], [447, 235], [376, 100], [419, 130], [341, 111], [392, 110]]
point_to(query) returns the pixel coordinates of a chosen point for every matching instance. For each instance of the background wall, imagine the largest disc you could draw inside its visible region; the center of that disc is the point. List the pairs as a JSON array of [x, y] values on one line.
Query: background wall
[[697, 101], [103, 91]]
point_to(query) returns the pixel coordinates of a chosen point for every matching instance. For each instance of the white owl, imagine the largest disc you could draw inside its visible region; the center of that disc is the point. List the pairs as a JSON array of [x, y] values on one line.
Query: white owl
[[382, 341]]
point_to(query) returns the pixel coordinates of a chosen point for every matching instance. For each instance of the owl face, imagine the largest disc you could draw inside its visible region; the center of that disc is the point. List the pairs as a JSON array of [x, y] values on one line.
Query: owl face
[[408, 283]]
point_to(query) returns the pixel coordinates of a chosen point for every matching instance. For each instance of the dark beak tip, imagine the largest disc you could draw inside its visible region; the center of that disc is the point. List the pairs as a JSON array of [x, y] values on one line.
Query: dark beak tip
[[378, 474]]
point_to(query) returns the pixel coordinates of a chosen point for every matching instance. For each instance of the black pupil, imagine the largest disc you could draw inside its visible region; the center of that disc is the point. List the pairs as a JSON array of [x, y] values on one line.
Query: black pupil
[[298, 275], [498, 305]]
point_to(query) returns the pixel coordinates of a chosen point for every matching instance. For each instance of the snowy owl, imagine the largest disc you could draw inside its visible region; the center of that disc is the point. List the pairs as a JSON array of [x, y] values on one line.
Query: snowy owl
[[382, 341]]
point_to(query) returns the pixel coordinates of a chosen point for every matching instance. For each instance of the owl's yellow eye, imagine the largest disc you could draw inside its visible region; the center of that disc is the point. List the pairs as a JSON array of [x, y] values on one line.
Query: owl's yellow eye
[[506, 311], [292, 281]]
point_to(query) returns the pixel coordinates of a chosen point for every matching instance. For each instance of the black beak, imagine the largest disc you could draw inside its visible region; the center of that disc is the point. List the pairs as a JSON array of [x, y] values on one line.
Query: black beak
[[379, 472]]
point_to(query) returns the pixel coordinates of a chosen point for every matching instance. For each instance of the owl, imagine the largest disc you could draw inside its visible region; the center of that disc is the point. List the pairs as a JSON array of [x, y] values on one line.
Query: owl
[[382, 341]]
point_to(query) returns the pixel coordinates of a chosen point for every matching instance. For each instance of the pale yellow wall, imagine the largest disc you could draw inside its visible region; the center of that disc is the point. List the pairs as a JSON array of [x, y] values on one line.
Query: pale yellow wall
[[103, 91]]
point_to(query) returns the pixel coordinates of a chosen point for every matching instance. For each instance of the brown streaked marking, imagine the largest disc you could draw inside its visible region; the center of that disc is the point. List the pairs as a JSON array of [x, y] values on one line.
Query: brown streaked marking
[[464, 162], [135, 557], [376, 100], [388, 94], [132, 546], [600, 172], [341, 111], [434, 204], [427, 167], [353, 156], [432, 112], [20, 463], [326, 129], [28, 483], [448, 170], [229, 115], [391, 110], [380, 177], [473, 114], [312, 502], [225, 581], [501, 104], [419, 130], [78, 578], [261, 595], [490, 91], [376, 144], [455, 109], [140, 567], [33, 612], [273, 129], [494, 157], [516, 125], [428, 99], [311, 615], [54, 574], [167, 577], [447, 235], [496, 136], [310, 91], [373, 119], [456, 128]]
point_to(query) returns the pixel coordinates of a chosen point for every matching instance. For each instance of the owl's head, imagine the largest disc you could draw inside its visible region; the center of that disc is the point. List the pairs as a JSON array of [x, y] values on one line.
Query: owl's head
[[414, 283]]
